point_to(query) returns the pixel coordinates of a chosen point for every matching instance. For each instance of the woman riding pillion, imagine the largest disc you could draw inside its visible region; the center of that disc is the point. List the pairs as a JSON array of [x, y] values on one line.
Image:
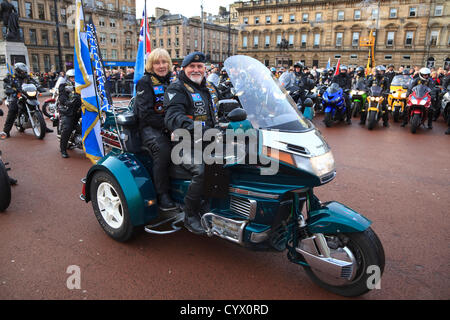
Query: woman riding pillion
[[150, 113]]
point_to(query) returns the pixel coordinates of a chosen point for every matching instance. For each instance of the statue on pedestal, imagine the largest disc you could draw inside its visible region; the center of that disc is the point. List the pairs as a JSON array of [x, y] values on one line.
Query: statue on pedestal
[[10, 17]]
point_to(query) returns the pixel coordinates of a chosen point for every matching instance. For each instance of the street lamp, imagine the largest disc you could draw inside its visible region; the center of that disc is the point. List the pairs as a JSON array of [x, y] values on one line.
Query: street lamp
[[58, 39]]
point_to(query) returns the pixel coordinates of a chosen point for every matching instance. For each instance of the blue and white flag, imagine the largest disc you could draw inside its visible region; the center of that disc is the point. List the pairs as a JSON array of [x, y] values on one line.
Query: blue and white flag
[[329, 64], [84, 85], [98, 65], [143, 50]]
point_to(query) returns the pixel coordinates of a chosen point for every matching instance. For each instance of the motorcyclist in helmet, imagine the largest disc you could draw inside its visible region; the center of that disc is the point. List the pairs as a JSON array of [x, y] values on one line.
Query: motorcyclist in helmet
[[390, 73], [381, 80], [424, 79], [274, 71], [359, 76], [69, 105], [12, 85], [345, 82]]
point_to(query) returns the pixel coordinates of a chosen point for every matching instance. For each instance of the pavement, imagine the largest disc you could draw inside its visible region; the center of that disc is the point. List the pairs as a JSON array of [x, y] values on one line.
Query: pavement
[[400, 181]]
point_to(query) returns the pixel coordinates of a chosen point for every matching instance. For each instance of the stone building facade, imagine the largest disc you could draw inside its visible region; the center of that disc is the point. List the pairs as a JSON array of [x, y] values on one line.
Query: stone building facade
[[408, 32], [180, 36], [115, 21]]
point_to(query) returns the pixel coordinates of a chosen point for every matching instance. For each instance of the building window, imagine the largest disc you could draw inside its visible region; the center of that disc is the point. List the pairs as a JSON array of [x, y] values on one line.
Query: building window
[[44, 36], [169, 30], [409, 38], [102, 38], [280, 19], [374, 13], [413, 12], [357, 14], [355, 39], [291, 40], [393, 13], [33, 38], [278, 39], [303, 40], [267, 42], [388, 57], [104, 53], [337, 56], [169, 42], [35, 63], [196, 43], [305, 17], [101, 22], [245, 20], [112, 23], [256, 20], [244, 42], [113, 54], [292, 18], [47, 63], [434, 37], [390, 38], [113, 38], [41, 11], [438, 11], [255, 41], [339, 36], [407, 57], [318, 17], [340, 15], [161, 43], [316, 39], [354, 56], [28, 10], [177, 42], [177, 30], [66, 39], [268, 19]]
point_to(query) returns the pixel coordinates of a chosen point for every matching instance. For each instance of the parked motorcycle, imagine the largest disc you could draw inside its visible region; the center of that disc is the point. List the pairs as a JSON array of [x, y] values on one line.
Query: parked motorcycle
[[334, 104], [277, 212], [50, 105], [397, 96], [445, 105], [374, 108], [5, 187], [358, 96], [419, 103], [29, 115]]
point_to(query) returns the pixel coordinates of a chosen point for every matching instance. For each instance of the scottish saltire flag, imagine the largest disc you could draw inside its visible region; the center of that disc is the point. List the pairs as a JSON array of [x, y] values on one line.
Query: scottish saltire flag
[[84, 85], [143, 50], [328, 64], [10, 69], [98, 65]]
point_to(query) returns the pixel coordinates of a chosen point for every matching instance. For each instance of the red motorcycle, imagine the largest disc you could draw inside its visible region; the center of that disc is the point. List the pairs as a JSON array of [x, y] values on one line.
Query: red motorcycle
[[419, 102], [50, 105]]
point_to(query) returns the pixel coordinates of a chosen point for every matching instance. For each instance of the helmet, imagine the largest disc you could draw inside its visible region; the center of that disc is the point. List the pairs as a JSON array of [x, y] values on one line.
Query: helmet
[[273, 69], [424, 73], [70, 73], [343, 68], [298, 64], [330, 70], [380, 70], [359, 71], [406, 72], [20, 70]]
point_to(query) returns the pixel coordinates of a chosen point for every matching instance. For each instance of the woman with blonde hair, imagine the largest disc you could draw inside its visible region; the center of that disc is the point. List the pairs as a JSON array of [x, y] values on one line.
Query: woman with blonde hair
[[150, 113]]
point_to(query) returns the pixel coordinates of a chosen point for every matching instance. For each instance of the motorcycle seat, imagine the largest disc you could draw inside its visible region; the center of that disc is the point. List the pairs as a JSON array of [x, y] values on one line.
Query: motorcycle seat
[[178, 172]]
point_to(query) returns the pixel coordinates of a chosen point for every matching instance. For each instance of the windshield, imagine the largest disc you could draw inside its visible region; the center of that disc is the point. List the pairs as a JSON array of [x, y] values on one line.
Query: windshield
[[401, 80], [333, 88], [266, 102], [421, 90], [375, 91], [360, 85], [28, 87]]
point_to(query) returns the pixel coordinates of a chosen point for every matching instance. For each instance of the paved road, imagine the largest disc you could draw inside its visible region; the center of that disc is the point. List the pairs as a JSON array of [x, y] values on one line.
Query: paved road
[[398, 180]]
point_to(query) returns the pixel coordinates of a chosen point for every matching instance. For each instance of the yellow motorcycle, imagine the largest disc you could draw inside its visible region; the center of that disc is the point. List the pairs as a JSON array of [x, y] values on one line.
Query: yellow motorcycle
[[397, 97]]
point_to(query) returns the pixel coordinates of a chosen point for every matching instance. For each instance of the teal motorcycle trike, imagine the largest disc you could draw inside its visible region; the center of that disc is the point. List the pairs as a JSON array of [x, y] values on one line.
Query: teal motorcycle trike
[[268, 204]]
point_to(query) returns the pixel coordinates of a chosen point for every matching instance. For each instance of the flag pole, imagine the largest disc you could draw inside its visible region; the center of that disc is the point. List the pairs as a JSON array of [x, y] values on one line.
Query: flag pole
[[145, 32]]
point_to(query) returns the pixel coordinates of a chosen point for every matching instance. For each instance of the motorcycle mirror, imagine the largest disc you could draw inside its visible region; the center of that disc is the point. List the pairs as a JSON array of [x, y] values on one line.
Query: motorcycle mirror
[[237, 115]]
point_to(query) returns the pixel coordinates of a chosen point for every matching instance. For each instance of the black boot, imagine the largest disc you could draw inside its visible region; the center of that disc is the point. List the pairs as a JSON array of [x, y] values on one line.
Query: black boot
[[48, 130], [448, 131], [12, 181], [64, 154], [165, 202], [192, 220]]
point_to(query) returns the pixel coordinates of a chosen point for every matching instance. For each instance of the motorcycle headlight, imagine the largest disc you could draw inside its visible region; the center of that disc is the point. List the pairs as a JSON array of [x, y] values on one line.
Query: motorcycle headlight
[[403, 95], [31, 93], [413, 100], [360, 93], [372, 98], [353, 92], [321, 165], [423, 102]]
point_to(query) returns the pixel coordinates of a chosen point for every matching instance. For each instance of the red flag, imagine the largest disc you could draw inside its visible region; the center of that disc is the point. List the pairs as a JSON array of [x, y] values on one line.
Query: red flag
[[144, 32], [337, 67]]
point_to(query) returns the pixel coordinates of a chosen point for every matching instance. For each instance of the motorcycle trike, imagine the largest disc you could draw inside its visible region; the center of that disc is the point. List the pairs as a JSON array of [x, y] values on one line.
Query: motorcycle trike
[[263, 204]]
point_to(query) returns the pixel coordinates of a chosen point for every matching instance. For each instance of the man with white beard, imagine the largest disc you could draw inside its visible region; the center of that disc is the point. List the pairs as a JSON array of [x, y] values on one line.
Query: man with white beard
[[191, 101]]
